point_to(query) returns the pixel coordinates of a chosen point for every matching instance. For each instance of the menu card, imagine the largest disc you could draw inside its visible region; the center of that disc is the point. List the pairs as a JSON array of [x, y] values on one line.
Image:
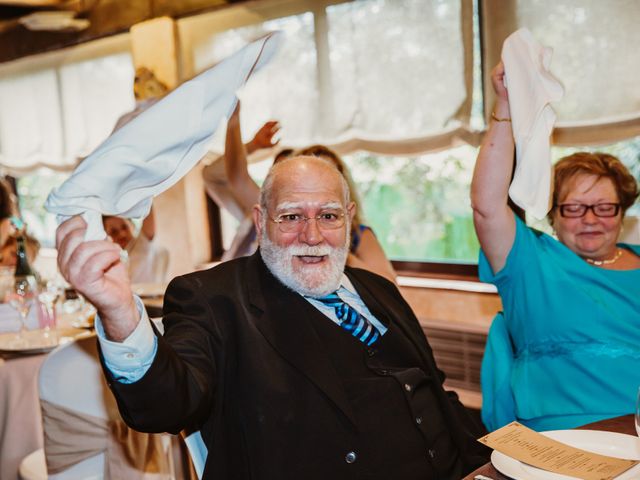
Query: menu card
[[533, 448]]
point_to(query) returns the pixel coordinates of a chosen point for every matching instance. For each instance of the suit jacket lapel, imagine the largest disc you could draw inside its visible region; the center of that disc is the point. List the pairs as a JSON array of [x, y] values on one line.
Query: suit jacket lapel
[[284, 318], [372, 301], [378, 304]]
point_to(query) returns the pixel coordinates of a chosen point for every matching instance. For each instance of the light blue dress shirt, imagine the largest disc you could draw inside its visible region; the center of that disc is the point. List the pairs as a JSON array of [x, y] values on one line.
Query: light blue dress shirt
[[129, 360]]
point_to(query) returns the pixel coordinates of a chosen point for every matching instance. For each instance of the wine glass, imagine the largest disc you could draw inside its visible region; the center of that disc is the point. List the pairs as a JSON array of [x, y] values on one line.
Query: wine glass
[[21, 298], [48, 298]]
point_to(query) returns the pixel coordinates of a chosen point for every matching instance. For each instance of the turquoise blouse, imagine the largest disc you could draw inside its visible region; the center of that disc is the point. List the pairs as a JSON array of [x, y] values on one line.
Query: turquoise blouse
[[566, 351]]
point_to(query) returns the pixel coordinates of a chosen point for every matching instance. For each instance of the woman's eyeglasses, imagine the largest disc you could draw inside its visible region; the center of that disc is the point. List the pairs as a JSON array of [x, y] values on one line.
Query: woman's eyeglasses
[[577, 210]]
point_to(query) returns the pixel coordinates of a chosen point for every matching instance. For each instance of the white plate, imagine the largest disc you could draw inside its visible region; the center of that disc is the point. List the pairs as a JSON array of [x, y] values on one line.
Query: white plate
[[35, 341], [613, 444], [149, 290]]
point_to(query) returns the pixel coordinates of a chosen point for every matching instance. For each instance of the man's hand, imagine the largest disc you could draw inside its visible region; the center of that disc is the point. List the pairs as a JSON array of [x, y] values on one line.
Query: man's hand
[[264, 138], [94, 269]]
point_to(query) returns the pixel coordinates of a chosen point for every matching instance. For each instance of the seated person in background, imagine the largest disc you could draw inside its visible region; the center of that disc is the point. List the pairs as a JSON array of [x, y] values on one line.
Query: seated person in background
[[365, 250], [9, 250], [566, 350], [148, 262], [291, 365], [8, 209]]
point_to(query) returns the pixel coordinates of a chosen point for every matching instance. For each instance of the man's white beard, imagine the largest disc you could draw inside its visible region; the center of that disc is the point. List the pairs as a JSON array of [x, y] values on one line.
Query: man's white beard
[[317, 281]]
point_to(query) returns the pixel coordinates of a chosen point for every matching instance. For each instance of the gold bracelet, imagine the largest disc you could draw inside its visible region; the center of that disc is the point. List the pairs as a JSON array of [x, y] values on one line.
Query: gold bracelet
[[493, 116]]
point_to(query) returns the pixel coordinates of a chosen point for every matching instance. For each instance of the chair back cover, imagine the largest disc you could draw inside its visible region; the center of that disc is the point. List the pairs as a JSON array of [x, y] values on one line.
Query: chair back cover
[[84, 434]]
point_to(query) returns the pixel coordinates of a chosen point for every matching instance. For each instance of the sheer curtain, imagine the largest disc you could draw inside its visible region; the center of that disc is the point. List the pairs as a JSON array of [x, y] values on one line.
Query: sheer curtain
[[595, 55], [54, 116], [388, 76]]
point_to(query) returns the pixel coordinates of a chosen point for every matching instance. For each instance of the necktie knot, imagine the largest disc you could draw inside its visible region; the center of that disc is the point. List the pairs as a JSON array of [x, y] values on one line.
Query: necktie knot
[[351, 320]]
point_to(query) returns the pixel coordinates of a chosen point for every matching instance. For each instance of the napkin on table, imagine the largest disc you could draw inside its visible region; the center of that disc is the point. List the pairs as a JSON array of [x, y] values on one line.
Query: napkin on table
[[531, 88], [157, 148]]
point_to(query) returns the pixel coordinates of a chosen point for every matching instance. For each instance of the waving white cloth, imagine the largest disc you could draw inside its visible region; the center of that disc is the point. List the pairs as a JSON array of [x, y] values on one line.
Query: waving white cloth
[[531, 87], [158, 147]]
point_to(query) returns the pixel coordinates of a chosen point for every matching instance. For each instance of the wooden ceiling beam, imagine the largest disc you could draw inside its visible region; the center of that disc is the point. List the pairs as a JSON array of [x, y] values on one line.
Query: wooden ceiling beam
[[32, 3], [107, 17]]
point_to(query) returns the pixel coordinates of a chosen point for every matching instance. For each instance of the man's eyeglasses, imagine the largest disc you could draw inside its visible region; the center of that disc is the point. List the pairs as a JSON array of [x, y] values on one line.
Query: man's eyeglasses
[[577, 210], [295, 222]]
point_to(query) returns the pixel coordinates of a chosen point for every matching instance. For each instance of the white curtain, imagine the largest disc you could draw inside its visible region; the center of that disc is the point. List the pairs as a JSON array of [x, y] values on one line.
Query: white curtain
[[55, 116], [287, 88], [30, 126], [387, 76], [596, 56], [384, 75]]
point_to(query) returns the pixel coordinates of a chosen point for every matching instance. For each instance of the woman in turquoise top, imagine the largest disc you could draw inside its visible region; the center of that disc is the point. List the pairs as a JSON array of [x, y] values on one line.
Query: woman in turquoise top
[[566, 350]]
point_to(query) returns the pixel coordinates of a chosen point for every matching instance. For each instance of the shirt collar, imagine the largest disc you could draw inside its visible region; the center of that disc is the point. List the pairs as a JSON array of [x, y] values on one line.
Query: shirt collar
[[346, 284]]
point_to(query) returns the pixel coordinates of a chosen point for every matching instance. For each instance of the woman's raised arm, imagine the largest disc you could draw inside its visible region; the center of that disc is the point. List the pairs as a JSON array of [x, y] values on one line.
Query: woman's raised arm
[[492, 217]]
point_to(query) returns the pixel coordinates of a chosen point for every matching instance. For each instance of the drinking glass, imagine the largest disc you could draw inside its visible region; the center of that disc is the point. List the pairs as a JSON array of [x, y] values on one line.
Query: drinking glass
[[22, 298], [48, 298]]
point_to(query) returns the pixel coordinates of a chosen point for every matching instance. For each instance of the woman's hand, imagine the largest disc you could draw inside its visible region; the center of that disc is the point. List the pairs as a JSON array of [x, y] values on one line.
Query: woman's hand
[[497, 80], [264, 138]]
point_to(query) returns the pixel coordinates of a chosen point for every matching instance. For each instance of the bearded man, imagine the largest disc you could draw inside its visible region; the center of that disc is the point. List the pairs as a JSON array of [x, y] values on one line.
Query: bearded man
[[291, 365]]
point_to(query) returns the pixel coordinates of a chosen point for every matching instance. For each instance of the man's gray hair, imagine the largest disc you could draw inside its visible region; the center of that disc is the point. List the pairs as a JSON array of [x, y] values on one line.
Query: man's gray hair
[[267, 187]]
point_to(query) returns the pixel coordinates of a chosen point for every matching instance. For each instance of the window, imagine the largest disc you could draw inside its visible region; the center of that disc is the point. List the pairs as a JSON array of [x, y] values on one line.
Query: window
[[397, 87], [32, 192], [439, 227], [55, 111], [387, 82]]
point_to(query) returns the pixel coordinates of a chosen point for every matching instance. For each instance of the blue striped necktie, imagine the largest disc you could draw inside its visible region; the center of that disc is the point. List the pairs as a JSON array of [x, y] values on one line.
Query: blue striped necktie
[[351, 320]]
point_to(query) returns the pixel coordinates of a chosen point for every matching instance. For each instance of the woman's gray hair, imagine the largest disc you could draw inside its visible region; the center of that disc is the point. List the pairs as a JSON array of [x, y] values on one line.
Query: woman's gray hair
[[267, 186]]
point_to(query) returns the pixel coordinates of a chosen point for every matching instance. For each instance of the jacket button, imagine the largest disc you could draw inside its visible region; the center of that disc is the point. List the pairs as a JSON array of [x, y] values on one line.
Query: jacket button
[[431, 453], [350, 457], [418, 420], [407, 387], [371, 352]]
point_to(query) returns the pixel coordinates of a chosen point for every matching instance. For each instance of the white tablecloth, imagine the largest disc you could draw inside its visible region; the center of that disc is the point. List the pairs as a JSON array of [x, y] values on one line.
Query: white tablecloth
[[20, 419]]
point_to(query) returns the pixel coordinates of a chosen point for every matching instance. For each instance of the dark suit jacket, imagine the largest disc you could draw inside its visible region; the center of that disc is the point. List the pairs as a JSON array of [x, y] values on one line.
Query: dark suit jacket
[[240, 361]]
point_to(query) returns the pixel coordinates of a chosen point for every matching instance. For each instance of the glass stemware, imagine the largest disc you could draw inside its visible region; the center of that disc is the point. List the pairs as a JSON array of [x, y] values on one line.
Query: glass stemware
[[22, 298]]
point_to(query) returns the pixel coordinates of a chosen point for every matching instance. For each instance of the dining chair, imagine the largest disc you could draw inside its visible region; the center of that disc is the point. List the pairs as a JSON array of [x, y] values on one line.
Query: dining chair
[[84, 434]]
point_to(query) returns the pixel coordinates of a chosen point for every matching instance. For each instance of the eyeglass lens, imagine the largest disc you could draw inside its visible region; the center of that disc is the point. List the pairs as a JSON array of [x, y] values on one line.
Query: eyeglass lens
[[575, 210], [289, 222]]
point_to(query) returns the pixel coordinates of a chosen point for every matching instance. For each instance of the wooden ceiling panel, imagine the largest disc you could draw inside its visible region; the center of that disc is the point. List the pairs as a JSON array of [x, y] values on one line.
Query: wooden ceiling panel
[[32, 3], [107, 17]]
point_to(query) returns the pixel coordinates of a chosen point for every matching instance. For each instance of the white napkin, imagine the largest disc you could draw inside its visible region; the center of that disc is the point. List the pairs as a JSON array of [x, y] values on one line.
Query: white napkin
[[157, 148], [531, 87]]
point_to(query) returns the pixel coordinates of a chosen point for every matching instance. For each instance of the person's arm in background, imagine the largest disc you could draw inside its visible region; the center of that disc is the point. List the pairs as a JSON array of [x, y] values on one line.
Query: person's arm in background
[[370, 256], [493, 219], [235, 157]]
